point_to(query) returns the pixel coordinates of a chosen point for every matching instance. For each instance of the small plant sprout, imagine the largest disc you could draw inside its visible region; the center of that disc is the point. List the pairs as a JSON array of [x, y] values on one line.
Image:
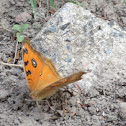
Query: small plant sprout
[[75, 2], [20, 29], [33, 5], [52, 4]]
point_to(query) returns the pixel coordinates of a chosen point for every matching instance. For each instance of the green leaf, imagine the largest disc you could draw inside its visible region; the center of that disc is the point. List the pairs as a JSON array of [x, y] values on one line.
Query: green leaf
[[20, 28], [33, 4], [52, 3], [17, 28], [19, 37], [124, 2], [24, 27], [74, 2]]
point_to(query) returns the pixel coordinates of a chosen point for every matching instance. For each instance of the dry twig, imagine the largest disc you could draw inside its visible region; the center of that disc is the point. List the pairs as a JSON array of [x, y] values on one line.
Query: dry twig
[[12, 65]]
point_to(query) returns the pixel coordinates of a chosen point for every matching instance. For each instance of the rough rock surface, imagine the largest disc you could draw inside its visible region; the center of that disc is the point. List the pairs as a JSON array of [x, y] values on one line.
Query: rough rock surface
[[77, 40]]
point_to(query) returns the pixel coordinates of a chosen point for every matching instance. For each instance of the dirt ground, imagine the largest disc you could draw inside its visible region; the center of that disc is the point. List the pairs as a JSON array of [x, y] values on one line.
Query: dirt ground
[[15, 110]]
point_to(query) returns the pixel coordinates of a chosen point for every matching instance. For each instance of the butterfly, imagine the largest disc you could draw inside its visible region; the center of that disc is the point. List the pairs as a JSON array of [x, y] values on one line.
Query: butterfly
[[41, 75]]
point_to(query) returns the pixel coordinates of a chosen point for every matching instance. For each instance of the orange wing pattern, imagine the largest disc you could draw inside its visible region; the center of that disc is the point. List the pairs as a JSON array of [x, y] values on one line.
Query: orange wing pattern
[[41, 75]]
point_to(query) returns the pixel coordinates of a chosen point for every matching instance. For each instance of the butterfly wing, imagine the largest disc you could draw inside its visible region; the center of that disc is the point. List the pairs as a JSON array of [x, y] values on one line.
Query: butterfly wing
[[39, 70], [52, 88]]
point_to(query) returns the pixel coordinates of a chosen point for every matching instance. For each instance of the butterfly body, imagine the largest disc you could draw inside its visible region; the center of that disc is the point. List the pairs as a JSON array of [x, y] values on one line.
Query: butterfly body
[[41, 75]]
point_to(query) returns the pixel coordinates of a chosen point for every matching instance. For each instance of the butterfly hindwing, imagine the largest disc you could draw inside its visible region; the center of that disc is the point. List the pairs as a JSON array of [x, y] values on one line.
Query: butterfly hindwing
[[53, 87]]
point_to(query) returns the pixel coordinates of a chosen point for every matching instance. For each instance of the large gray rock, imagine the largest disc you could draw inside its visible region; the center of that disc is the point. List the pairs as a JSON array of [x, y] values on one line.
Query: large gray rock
[[77, 40]]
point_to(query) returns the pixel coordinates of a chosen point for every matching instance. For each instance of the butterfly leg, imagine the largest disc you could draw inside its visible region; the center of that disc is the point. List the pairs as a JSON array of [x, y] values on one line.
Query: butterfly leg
[[37, 102], [39, 106], [49, 105], [71, 93], [29, 100], [56, 113]]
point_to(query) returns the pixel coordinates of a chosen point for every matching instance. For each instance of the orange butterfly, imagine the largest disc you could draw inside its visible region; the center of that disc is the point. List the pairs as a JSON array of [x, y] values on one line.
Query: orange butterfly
[[41, 75]]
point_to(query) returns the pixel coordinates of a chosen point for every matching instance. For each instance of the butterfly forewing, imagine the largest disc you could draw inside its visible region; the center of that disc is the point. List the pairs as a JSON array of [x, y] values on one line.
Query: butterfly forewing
[[39, 71]]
